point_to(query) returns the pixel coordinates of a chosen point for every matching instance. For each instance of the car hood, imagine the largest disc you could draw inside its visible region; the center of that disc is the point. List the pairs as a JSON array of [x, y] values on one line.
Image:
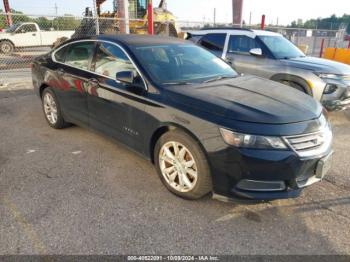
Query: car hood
[[319, 65], [249, 99]]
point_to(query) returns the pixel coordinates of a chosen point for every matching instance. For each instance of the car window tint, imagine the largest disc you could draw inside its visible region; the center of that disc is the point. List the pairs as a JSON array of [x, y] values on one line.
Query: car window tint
[[213, 42], [110, 60], [241, 44], [79, 55], [60, 55]]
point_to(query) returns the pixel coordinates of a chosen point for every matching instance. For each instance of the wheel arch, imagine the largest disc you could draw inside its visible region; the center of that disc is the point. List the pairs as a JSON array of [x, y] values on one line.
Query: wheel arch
[[42, 88], [166, 127], [293, 78]]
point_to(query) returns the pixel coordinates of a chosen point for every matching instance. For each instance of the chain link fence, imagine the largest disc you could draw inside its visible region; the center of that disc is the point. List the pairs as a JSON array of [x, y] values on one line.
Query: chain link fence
[[31, 36]]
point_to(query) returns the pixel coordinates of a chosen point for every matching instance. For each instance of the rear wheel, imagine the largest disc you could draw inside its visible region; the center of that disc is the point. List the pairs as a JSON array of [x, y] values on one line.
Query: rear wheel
[[6, 47], [52, 110], [182, 165]]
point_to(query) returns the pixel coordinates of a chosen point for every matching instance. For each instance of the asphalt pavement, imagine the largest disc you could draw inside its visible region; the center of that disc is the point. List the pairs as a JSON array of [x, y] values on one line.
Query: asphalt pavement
[[73, 191]]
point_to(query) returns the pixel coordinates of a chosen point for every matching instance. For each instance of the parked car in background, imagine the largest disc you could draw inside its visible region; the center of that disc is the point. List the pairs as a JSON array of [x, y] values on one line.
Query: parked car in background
[[205, 127], [28, 35], [270, 55]]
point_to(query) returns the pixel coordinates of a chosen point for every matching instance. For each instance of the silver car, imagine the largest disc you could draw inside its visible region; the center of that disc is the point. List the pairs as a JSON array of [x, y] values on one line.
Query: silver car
[[270, 55]]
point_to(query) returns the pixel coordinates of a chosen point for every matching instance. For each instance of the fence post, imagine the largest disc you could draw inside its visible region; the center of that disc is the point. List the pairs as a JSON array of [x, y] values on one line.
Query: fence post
[[322, 46], [150, 18], [96, 17], [262, 26]]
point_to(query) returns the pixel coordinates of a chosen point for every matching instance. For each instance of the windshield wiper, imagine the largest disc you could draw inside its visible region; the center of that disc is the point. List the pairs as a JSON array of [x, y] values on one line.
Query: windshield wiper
[[178, 83], [217, 78]]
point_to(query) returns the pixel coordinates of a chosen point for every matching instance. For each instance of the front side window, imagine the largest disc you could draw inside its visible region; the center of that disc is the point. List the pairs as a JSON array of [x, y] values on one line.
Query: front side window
[[213, 42], [241, 44], [79, 55], [27, 28], [110, 60], [174, 63]]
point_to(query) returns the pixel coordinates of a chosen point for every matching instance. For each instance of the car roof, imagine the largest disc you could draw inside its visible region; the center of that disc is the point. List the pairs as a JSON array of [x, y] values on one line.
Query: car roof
[[233, 30], [136, 40]]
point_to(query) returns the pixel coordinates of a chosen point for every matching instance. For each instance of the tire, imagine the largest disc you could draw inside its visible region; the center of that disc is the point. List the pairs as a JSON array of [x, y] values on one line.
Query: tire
[[173, 173], [52, 110], [6, 47], [294, 85]]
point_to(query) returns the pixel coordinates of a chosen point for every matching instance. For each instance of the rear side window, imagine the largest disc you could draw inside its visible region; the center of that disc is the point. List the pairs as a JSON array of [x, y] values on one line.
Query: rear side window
[[79, 55], [241, 44], [213, 42], [60, 55]]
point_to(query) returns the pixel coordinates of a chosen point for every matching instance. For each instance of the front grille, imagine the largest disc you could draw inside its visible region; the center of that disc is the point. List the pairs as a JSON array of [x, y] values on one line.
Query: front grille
[[308, 145]]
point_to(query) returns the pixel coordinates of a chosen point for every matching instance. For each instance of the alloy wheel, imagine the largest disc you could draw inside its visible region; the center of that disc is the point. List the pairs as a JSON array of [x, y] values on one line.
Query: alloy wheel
[[178, 166], [50, 108]]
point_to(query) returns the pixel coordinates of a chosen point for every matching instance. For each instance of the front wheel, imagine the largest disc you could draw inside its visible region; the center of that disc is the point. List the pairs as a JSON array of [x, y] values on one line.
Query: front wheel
[[6, 47], [182, 165]]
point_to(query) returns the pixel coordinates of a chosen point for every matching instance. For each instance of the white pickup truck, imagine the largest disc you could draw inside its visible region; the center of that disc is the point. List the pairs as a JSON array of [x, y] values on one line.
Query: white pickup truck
[[28, 35]]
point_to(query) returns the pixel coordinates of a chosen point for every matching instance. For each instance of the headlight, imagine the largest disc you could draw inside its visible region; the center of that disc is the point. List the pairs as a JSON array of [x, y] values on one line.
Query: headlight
[[252, 141], [329, 76]]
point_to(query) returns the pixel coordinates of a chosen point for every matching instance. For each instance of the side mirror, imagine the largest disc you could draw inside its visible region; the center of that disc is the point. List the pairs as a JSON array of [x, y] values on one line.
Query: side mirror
[[256, 52], [127, 77], [133, 81]]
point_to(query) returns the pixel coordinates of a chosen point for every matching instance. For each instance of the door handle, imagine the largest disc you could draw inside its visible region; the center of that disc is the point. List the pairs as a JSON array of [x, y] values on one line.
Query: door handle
[[33, 34], [229, 60], [60, 71], [93, 82]]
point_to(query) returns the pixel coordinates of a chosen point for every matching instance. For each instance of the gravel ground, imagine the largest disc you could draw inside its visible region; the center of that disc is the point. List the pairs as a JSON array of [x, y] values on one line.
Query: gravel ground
[[76, 192]]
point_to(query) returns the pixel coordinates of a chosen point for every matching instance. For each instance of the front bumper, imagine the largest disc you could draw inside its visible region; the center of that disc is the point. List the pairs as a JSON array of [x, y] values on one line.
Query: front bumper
[[339, 100], [264, 174]]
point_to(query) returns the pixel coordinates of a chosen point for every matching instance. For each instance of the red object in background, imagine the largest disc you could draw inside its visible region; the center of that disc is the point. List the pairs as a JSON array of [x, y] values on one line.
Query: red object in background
[[237, 9], [150, 18], [322, 46], [262, 26], [7, 11]]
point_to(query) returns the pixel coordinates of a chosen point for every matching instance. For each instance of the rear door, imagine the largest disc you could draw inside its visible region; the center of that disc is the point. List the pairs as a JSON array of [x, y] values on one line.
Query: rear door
[[74, 78], [214, 42]]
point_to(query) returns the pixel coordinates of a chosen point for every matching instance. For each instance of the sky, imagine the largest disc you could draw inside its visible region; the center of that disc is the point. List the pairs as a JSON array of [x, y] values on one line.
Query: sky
[[285, 11]]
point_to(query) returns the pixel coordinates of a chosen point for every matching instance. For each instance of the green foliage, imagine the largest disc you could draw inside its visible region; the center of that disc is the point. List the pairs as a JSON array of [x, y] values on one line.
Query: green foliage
[[332, 22], [68, 22]]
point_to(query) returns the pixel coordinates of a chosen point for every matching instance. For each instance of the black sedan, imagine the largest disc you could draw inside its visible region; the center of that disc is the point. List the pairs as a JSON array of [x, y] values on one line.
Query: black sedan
[[206, 128]]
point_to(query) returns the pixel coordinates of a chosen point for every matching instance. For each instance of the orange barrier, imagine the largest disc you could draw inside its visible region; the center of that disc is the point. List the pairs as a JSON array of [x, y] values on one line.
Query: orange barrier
[[338, 54]]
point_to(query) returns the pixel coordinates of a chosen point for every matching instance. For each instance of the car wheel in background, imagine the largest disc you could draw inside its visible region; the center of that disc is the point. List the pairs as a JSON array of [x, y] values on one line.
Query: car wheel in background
[[182, 165], [6, 47], [294, 85], [52, 109]]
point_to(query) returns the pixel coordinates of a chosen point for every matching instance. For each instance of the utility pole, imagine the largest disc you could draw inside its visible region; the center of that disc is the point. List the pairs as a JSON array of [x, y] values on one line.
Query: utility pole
[[96, 17], [214, 16], [250, 18], [56, 8]]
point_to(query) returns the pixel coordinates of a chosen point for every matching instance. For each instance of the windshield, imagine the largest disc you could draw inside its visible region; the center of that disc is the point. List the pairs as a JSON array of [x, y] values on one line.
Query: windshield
[[181, 64], [12, 28], [280, 47]]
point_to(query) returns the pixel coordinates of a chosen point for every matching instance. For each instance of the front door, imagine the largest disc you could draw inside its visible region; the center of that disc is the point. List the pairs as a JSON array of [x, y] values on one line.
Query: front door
[[114, 108], [27, 35]]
